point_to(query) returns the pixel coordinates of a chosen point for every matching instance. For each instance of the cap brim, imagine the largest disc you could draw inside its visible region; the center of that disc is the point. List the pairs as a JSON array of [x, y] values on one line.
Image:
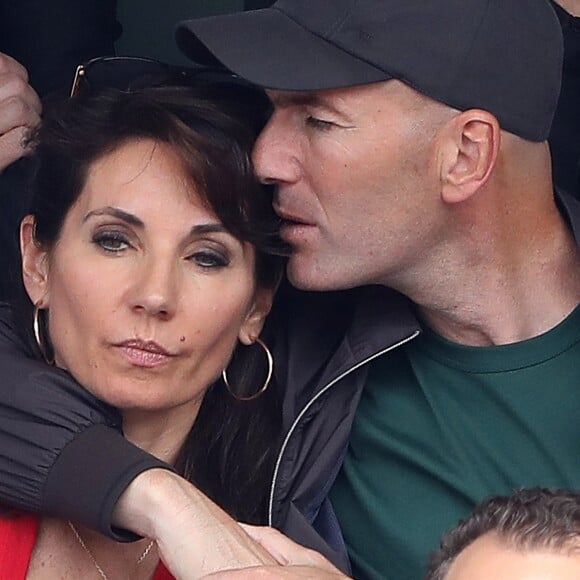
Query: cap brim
[[273, 51]]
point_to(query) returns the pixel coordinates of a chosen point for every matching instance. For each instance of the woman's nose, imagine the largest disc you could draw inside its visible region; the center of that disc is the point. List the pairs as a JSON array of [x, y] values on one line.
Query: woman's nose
[[155, 290]]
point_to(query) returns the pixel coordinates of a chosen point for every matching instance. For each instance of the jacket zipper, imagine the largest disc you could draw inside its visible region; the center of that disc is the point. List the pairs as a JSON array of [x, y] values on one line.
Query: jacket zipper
[[312, 401]]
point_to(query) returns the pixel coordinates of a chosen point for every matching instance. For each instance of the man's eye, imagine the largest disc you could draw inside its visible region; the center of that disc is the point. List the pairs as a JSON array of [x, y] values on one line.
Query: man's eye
[[111, 241], [209, 260], [319, 123]]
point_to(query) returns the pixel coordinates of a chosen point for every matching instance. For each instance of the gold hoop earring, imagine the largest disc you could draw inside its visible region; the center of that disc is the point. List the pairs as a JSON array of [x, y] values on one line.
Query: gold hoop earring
[[270, 359], [38, 335]]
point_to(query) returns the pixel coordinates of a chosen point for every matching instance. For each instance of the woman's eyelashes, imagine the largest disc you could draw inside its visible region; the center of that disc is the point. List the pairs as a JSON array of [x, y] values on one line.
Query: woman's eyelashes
[[209, 259], [111, 241], [204, 254]]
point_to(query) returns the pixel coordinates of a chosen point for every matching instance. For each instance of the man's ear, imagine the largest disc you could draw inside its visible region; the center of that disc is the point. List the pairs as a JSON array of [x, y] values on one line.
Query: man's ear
[[469, 150], [256, 317], [34, 263]]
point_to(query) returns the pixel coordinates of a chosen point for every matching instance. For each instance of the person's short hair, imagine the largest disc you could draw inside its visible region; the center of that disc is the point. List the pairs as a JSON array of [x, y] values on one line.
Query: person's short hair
[[528, 519]]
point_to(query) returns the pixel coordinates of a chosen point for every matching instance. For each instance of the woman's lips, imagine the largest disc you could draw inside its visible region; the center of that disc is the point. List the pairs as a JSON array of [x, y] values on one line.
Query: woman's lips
[[146, 354]]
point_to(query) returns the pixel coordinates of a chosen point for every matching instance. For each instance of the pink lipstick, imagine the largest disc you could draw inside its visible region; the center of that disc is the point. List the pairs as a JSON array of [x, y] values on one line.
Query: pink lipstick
[[144, 353]]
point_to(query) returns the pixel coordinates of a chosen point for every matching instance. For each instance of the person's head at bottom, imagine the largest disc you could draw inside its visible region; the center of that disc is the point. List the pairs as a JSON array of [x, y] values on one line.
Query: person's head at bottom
[[149, 258], [533, 534]]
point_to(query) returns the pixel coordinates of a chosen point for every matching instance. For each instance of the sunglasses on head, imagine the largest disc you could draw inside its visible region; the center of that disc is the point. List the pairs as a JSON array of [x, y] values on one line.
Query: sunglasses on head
[[129, 73]]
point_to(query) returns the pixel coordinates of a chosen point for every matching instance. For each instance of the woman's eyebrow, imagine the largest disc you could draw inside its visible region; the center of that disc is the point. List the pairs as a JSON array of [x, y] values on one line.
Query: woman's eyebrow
[[208, 228], [115, 212]]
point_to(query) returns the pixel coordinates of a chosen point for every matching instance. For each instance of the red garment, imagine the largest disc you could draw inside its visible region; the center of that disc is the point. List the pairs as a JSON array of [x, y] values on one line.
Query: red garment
[[18, 532]]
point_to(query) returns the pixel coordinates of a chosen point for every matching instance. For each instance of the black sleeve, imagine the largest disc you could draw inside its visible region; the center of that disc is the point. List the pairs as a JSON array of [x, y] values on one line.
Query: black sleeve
[[51, 37], [565, 134], [61, 449], [256, 4]]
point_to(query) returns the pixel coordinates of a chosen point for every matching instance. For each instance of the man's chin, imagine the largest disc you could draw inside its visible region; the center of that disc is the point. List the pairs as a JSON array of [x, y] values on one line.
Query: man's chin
[[307, 274], [301, 274]]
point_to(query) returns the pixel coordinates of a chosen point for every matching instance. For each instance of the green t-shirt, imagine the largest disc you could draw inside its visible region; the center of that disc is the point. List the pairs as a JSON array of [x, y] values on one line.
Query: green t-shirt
[[440, 426]]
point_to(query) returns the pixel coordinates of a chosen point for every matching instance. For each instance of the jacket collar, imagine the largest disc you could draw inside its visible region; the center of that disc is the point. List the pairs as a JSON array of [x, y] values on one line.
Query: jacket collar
[[328, 333]]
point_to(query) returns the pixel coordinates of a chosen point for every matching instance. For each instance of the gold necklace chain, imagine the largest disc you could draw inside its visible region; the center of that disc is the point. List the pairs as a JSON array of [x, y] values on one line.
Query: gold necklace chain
[[94, 560]]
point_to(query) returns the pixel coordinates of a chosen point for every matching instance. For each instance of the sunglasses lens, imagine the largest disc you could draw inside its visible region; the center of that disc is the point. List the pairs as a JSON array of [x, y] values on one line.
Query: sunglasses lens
[[133, 73]]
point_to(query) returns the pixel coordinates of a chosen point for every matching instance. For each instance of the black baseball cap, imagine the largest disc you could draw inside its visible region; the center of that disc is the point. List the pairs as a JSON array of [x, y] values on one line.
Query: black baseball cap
[[503, 56]]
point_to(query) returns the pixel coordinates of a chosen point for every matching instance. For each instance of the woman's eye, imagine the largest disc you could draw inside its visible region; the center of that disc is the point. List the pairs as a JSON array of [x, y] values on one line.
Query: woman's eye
[[208, 259], [319, 123], [111, 241]]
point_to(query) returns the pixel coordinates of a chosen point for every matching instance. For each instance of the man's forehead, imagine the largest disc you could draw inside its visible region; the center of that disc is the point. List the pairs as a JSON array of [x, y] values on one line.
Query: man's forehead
[[283, 99], [329, 97]]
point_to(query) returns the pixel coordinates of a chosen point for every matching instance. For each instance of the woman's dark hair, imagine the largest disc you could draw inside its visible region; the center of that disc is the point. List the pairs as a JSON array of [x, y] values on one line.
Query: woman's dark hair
[[229, 451]]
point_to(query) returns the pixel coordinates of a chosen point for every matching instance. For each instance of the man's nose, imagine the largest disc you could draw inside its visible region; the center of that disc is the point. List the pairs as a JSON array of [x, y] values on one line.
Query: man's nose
[[276, 154]]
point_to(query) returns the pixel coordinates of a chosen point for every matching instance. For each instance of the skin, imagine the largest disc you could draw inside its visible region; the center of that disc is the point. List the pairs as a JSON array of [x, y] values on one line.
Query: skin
[[571, 6], [20, 110], [348, 165], [149, 492], [294, 560], [490, 557], [381, 185], [139, 257]]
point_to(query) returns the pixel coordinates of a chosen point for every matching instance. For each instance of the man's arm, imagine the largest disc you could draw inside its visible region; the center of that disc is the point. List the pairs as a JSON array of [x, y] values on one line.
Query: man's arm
[[294, 561], [61, 449], [20, 110], [197, 539], [62, 453], [194, 536]]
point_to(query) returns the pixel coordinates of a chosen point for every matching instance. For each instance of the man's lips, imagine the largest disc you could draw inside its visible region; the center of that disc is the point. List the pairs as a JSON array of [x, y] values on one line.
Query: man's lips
[[290, 218], [144, 353]]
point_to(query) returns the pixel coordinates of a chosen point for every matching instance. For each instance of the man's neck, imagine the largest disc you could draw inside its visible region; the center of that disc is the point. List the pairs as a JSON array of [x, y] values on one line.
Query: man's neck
[[494, 296]]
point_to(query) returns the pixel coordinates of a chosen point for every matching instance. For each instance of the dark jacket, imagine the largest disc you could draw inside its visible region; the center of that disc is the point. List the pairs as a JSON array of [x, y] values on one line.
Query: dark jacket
[[565, 134], [324, 374], [61, 452], [328, 340]]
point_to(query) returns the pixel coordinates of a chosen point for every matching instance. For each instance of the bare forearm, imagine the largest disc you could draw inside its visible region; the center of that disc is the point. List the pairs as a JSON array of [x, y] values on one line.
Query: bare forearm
[[194, 536], [295, 562]]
